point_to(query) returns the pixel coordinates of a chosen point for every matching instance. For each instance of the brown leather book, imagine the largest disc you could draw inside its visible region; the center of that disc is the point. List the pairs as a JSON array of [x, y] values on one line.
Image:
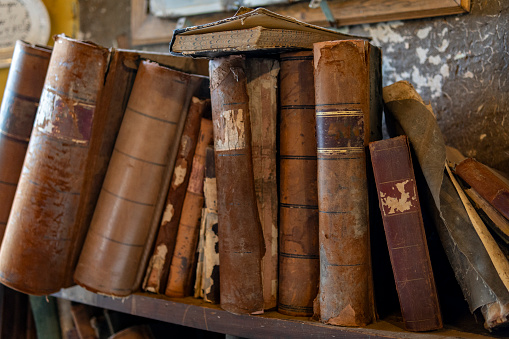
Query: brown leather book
[[262, 81], [404, 231], [299, 262], [348, 113], [486, 183], [17, 113], [82, 315], [183, 260], [50, 203], [122, 230], [241, 244], [134, 332], [159, 264]]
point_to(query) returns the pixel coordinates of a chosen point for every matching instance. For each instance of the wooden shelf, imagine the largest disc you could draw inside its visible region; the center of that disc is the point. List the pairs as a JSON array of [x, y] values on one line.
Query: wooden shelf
[[195, 313]]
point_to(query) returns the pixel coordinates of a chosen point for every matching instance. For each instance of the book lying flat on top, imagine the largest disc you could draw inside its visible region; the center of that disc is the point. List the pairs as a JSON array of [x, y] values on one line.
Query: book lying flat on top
[[250, 30]]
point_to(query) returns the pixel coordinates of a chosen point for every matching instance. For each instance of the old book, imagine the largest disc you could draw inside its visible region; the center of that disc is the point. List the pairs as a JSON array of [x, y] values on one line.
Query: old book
[[159, 264], [348, 115], [262, 83], [82, 316], [248, 31], [44, 309], [299, 262], [122, 229], [404, 231], [486, 183], [17, 113], [14, 313], [183, 260], [134, 332], [241, 244]]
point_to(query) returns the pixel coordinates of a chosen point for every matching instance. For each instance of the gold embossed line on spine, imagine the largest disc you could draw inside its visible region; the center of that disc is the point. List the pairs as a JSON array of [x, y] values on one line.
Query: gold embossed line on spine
[[241, 244], [45, 227], [114, 251], [17, 113], [345, 73], [299, 265]]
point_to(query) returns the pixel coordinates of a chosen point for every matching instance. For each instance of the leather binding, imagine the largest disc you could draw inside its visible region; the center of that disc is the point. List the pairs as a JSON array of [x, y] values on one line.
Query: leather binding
[[241, 244], [486, 183], [262, 80], [49, 211], [299, 262], [17, 113], [183, 260], [122, 228], [348, 112], [159, 265], [404, 231]]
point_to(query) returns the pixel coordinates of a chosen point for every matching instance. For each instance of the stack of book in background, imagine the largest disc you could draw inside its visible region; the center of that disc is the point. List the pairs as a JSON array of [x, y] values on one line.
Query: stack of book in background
[[261, 193]]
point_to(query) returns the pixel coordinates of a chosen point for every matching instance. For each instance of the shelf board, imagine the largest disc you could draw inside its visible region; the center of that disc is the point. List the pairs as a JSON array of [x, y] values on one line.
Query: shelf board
[[198, 314]]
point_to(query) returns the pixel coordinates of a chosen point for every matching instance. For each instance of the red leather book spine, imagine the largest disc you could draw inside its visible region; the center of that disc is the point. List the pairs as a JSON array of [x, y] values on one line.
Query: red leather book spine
[[241, 244], [404, 231], [299, 263], [346, 74]]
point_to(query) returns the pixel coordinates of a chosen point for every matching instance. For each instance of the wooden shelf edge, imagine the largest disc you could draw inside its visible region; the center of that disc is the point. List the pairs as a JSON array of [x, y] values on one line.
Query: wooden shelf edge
[[195, 313]]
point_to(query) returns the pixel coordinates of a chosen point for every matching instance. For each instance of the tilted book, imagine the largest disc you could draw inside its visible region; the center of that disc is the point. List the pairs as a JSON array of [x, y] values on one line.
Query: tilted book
[[241, 244], [17, 113], [348, 115], [404, 231], [299, 264], [122, 229]]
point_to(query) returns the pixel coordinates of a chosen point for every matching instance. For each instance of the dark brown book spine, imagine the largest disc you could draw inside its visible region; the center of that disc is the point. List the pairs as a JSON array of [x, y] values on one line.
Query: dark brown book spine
[[241, 244], [299, 262], [345, 75], [486, 183], [48, 208], [404, 231], [159, 265], [17, 113], [183, 260]]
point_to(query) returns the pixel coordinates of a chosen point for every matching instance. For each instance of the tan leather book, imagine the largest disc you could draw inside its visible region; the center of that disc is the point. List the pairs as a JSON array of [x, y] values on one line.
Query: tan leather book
[[241, 244], [159, 264], [183, 260], [299, 262], [348, 112], [122, 230], [262, 83], [17, 113]]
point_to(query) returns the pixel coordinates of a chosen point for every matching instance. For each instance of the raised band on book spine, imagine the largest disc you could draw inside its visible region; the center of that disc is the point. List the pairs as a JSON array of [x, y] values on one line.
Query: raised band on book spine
[[348, 104], [17, 113], [241, 245], [404, 231], [299, 264]]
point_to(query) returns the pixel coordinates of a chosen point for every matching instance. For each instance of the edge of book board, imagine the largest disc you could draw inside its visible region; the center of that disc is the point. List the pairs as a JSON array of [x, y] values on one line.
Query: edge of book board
[[198, 314]]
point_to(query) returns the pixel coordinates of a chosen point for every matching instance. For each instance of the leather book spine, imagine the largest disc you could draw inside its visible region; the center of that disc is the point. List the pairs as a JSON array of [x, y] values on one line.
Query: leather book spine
[[347, 105], [121, 231], [210, 275], [299, 261], [82, 315], [241, 244], [404, 231], [17, 113], [48, 207], [486, 183], [183, 260], [159, 264], [262, 80]]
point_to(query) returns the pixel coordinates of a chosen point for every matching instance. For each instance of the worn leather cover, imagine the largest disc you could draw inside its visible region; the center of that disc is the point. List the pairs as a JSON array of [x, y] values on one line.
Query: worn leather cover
[[49, 210], [262, 80], [121, 232], [183, 260], [486, 183], [159, 264], [241, 244], [17, 113], [299, 264], [348, 106], [404, 231]]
